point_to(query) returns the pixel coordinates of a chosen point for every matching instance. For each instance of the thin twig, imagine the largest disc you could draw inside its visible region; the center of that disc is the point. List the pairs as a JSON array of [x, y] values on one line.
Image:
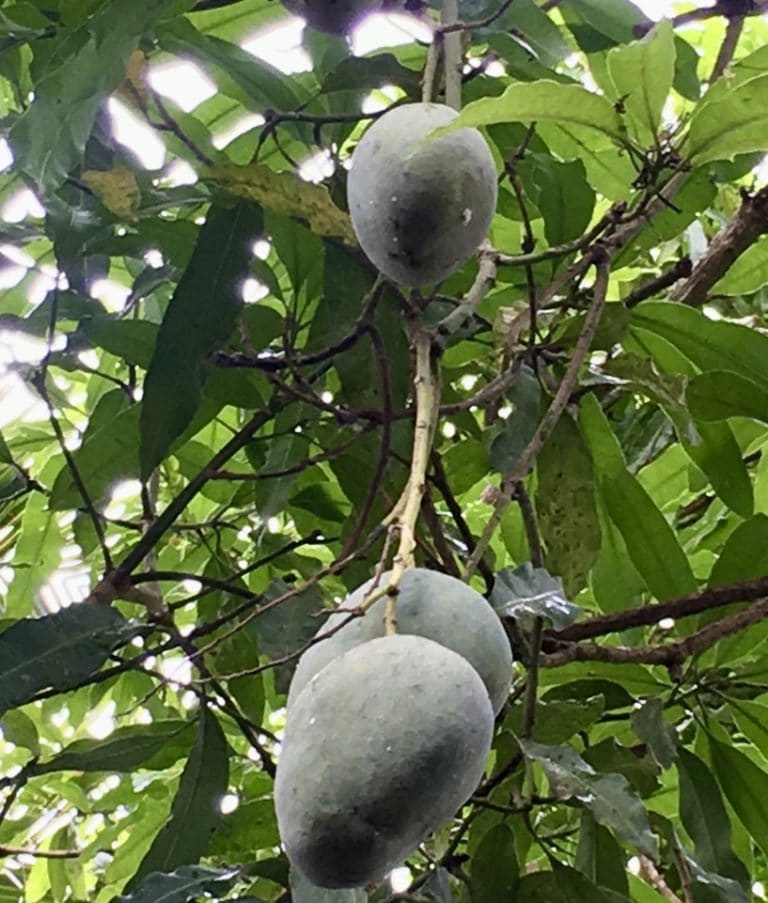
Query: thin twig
[[727, 47], [522, 464]]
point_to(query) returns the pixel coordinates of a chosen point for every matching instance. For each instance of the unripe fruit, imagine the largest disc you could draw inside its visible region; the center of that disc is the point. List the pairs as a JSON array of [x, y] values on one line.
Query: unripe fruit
[[420, 209], [429, 604], [332, 16], [381, 748]]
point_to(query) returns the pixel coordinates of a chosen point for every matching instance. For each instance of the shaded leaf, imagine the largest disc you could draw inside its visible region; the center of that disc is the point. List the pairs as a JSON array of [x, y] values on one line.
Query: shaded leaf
[[650, 540], [649, 724], [564, 884], [704, 817], [719, 394], [56, 651], [565, 506], [89, 64], [518, 429], [558, 721], [607, 796], [199, 319], [181, 886], [303, 891], [125, 750], [527, 592], [117, 189], [599, 856], [195, 811], [495, 871], [745, 786]]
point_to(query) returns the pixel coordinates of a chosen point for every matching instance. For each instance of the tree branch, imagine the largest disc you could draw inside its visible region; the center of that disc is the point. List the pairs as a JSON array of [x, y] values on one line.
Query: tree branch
[[726, 247]]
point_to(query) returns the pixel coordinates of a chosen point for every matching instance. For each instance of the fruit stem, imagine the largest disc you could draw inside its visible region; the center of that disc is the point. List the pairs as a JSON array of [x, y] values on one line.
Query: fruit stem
[[405, 513]]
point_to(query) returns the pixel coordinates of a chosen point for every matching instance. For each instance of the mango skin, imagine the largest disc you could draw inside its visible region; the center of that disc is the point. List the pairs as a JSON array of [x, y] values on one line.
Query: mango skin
[[432, 605], [380, 749], [420, 209], [337, 17]]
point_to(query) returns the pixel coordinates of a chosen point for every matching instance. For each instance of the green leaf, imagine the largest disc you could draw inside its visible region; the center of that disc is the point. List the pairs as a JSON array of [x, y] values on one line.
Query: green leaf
[[466, 463], [518, 429], [303, 891], [651, 542], [720, 394], [719, 457], [195, 811], [56, 651], [132, 340], [543, 101], [565, 198], [20, 730], [745, 786], [704, 817], [607, 796], [565, 506], [87, 65], [252, 82], [200, 318], [495, 871], [287, 194], [643, 73], [744, 555], [752, 720], [181, 886], [748, 274], [252, 826], [651, 727], [709, 344], [108, 454], [36, 555], [737, 124], [558, 721], [526, 593], [599, 856], [564, 884], [125, 750]]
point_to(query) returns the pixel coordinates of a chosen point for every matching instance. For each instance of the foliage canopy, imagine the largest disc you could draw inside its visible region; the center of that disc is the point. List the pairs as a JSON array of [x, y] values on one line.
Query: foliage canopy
[[216, 455]]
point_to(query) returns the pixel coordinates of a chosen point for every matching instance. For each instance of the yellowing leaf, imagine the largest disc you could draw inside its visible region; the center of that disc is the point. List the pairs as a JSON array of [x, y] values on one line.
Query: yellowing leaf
[[287, 194], [117, 190]]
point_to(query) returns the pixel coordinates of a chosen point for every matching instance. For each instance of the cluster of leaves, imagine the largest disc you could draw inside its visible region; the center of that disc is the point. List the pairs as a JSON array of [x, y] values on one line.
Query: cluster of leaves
[[221, 470]]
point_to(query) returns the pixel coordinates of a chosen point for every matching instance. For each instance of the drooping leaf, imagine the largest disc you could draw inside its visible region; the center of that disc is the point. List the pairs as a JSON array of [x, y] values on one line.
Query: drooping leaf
[[527, 592], [519, 427], [36, 555], [56, 651], [565, 506], [651, 543], [607, 796], [181, 886], [705, 819], [599, 856], [199, 319], [495, 871], [558, 720], [195, 811], [745, 786], [719, 457], [649, 724]]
